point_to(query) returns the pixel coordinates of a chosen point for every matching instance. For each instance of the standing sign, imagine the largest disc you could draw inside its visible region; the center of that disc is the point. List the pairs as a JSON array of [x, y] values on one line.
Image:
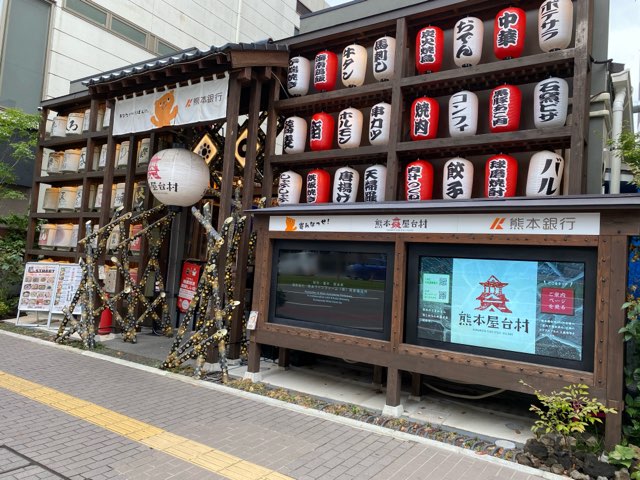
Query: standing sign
[[188, 285], [69, 277], [38, 284]]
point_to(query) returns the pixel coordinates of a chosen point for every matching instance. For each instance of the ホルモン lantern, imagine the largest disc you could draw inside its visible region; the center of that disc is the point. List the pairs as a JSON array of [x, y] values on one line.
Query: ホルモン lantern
[[463, 114], [318, 186], [298, 76], [425, 113], [550, 102], [429, 49], [349, 128], [384, 58], [354, 65], [467, 41], [501, 176], [508, 33], [545, 174], [294, 135], [321, 130], [505, 103], [289, 188], [375, 182], [177, 176], [325, 71], [345, 185], [419, 181], [555, 25], [457, 179]]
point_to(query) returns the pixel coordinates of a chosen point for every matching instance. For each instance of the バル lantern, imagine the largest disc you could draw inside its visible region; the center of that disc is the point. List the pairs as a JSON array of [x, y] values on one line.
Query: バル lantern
[[555, 25], [419, 181], [508, 33], [545, 174], [505, 103], [345, 185], [375, 182], [298, 76], [467, 41], [379, 124], [457, 179], [178, 177], [294, 135], [425, 113], [318, 186], [325, 71], [501, 176], [321, 130], [429, 49], [550, 102], [349, 128], [384, 58], [463, 114], [354, 65], [289, 188]]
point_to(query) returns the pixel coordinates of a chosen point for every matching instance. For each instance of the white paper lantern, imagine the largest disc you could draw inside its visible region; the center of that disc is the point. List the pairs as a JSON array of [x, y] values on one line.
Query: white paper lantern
[[375, 182], [350, 128], [463, 114], [74, 123], [384, 58], [177, 176], [289, 188], [379, 124], [345, 185], [59, 127], [555, 25], [294, 135], [467, 41], [354, 65], [298, 76], [545, 174], [457, 179], [550, 102]]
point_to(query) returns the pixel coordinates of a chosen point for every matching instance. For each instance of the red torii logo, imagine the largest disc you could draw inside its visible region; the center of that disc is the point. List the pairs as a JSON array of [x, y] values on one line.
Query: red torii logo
[[492, 297]]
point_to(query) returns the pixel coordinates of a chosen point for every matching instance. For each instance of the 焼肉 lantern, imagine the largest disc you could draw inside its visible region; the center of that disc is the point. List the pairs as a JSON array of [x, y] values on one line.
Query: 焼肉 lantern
[[325, 71], [457, 179], [321, 130], [555, 25], [545, 174], [468, 34], [505, 103], [550, 102], [509, 31], [463, 114], [289, 188], [298, 76], [294, 136], [419, 181], [501, 176], [425, 113], [354, 65], [345, 185], [349, 128], [375, 182], [429, 49], [384, 58], [318, 186], [379, 124], [178, 177]]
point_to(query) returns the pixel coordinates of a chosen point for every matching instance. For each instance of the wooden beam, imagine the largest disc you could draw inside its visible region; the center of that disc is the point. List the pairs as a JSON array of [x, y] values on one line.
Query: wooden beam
[[270, 144]]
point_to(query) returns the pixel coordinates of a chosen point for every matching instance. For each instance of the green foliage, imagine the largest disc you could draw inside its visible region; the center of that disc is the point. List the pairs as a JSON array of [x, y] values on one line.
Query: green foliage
[[622, 456], [18, 130], [12, 246], [631, 332], [629, 147]]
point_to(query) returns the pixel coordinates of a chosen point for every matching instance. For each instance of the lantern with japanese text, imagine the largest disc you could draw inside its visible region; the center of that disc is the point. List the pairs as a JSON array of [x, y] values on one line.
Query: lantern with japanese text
[[545, 174], [318, 186], [321, 131], [349, 128], [501, 176], [550, 102], [178, 177], [429, 49], [463, 114], [555, 25], [508, 33], [457, 179], [468, 34], [505, 103], [325, 71], [294, 135], [289, 188], [298, 76], [379, 124], [384, 58], [375, 182], [419, 181], [425, 113], [354, 65], [345, 185]]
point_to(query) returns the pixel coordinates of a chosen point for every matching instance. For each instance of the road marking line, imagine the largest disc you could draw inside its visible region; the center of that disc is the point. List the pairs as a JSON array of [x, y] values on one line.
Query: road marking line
[[216, 461]]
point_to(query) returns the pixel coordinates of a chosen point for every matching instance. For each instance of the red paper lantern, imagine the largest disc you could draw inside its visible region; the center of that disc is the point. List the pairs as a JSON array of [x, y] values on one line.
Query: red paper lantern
[[321, 131], [429, 50], [425, 113], [508, 33], [501, 176], [505, 103], [325, 71], [419, 181], [318, 186]]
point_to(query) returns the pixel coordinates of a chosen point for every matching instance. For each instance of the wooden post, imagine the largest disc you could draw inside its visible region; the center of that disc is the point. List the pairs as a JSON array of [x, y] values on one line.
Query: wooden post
[[393, 406], [270, 146]]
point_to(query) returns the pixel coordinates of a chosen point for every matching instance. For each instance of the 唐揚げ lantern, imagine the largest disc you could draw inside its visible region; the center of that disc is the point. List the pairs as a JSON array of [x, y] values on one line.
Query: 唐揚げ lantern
[[468, 34], [321, 130], [325, 71], [298, 76], [419, 181], [294, 136], [384, 58], [379, 124], [463, 114], [429, 49], [425, 113], [289, 188], [177, 176], [545, 174], [501, 176], [555, 25], [550, 102], [345, 185], [457, 179], [505, 103], [318, 186], [509, 32], [354, 65], [349, 128], [375, 182]]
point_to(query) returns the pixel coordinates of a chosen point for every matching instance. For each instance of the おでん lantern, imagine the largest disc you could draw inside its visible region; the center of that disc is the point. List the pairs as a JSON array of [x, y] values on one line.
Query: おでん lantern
[[545, 174], [325, 71], [555, 25], [429, 50], [463, 114], [505, 103], [321, 130], [550, 101], [509, 32], [379, 124], [289, 188], [375, 182], [457, 179], [294, 135], [349, 128], [298, 76], [354, 65], [345, 185], [318, 186], [419, 181], [177, 176], [501, 176], [425, 113], [384, 58], [467, 41]]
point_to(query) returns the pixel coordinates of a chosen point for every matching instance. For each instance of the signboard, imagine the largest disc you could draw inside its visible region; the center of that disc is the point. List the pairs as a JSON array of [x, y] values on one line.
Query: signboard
[[69, 277], [188, 285], [38, 283]]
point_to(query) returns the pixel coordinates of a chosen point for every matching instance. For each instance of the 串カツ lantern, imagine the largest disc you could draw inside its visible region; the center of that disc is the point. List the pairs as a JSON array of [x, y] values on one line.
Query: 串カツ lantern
[[325, 71], [545, 174], [429, 50], [177, 176], [345, 185], [375, 182], [505, 103], [354, 65], [318, 186], [379, 124], [419, 181], [349, 128], [463, 114], [425, 113], [294, 135], [468, 34], [384, 58], [457, 179], [321, 130], [550, 102], [508, 33], [289, 188], [298, 76], [555, 25], [501, 176]]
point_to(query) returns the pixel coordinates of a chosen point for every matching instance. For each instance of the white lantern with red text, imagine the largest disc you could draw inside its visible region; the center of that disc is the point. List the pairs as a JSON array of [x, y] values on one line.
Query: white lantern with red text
[[419, 181], [463, 114], [375, 182], [457, 179], [318, 186], [298, 76], [505, 104], [468, 34], [384, 58], [550, 102], [354, 65], [501, 176], [294, 135], [345, 185], [349, 128], [545, 174], [379, 124], [509, 30], [177, 176], [289, 188], [555, 25]]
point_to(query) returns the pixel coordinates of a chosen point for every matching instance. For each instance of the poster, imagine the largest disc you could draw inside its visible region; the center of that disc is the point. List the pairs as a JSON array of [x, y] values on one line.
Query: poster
[[69, 277], [188, 285], [37, 286]]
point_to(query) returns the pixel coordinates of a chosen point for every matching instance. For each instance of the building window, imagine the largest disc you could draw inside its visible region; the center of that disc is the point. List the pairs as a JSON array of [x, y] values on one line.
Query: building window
[[128, 31], [92, 13], [165, 49]]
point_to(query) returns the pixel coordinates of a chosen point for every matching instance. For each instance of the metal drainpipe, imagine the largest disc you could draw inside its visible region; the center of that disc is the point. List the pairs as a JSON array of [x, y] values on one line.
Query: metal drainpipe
[[238, 21], [616, 130]]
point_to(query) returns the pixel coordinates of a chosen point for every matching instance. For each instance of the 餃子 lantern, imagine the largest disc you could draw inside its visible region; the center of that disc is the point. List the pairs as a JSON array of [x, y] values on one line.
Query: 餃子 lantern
[[463, 114], [429, 49], [321, 130], [509, 32], [349, 128], [325, 71], [294, 135], [178, 177], [384, 58], [354, 65], [550, 102], [501, 176], [505, 103], [555, 25], [318, 186], [375, 182], [345, 185], [545, 174], [379, 124], [468, 34], [419, 181], [425, 113], [298, 76], [457, 179], [289, 188]]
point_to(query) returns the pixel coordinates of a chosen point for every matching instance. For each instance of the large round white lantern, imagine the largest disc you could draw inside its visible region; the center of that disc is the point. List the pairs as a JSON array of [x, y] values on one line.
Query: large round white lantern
[[345, 185], [555, 25], [375, 182], [457, 179], [545, 174], [289, 188], [463, 114], [354, 65], [384, 58], [298, 76], [294, 135], [178, 177], [550, 102], [467, 41], [349, 128], [379, 124]]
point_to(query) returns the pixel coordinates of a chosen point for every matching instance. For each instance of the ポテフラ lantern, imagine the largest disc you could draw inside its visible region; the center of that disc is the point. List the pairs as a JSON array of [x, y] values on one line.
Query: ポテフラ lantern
[[74, 123], [379, 124], [463, 114], [345, 185], [325, 71], [425, 113], [429, 49], [550, 102], [177, 176], [318, 186], [298, 76], [545, 174], [505, 103], [349, 128], [321, 130], [457, 179], [468, 34], [289, 188], [294, 135], [501, 176], [384, 58], [419, 181], [555, 25], [509, 32], [375, 182], [59, 127], [354, 65]]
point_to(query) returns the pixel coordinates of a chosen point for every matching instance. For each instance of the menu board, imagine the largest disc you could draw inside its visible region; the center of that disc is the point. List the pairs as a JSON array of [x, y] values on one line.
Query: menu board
[[38, 285], [69, 277]]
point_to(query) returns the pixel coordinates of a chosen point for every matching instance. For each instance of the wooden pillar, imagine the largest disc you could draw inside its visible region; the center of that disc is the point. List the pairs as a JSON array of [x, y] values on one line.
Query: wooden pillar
[[416, 385], [283, 357], [260, 292], [393, 406], [270, 146], [378, 375], [229, 159]]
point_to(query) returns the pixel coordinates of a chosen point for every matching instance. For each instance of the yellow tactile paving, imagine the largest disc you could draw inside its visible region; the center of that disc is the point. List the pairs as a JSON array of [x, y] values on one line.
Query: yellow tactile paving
[[215, 461]]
